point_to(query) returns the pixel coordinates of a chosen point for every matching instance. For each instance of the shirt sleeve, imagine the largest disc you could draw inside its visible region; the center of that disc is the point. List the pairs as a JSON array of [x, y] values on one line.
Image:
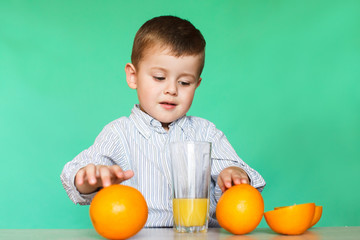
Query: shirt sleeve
[[105, 149], [223, 155]]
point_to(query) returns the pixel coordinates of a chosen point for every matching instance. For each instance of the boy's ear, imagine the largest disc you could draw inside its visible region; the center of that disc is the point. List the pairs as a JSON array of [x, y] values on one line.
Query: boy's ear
[[130, 75], [198, 83]]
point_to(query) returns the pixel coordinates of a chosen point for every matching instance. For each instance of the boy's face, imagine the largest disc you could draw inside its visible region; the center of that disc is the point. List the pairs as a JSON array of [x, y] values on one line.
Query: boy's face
[[165, 84]]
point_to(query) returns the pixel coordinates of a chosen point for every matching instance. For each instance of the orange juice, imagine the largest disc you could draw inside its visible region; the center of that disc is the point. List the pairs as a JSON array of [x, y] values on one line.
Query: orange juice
[[190, 212]]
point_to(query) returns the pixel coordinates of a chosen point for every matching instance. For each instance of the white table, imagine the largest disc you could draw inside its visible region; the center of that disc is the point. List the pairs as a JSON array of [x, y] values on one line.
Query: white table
[[323, 233]]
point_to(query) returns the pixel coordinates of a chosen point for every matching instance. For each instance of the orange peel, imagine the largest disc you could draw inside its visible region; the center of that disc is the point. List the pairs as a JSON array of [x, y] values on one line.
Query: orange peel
[[317, 215], [291, 220]]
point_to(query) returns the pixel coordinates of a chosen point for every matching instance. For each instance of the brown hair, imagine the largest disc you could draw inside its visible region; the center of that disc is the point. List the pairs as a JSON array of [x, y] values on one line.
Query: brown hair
[[179, 35]]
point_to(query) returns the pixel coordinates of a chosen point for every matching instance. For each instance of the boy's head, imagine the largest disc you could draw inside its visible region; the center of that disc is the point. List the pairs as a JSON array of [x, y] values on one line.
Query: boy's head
[[167, 60], [177, 35]]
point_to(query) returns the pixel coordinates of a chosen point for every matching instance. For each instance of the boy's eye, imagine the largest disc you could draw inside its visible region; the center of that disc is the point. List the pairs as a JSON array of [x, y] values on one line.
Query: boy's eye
[[159, 78], [184, 83]]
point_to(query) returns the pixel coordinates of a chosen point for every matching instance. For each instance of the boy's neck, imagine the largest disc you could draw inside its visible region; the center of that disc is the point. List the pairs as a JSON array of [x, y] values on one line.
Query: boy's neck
[[166, 126]]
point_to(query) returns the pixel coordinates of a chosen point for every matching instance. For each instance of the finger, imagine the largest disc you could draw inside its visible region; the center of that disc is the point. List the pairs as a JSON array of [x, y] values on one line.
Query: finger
[[236, 178], [221, 184], [91, 174], [117, 171], [79, 178], [128, 174], [244, 177], [226, 179], [105, 175], [125, 176], [245, 180], [239, 178]]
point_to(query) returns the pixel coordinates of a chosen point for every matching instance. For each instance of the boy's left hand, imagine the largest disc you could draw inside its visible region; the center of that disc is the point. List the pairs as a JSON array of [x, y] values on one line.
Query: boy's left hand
[[232, 176]]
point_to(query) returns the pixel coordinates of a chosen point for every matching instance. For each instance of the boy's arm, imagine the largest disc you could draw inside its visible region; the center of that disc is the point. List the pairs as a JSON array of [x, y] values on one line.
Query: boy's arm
[[224, 156], [106, 151]]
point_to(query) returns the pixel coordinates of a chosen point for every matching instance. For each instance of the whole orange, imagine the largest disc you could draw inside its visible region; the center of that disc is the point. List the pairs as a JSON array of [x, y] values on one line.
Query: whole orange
[[240, 209], [118, 212]]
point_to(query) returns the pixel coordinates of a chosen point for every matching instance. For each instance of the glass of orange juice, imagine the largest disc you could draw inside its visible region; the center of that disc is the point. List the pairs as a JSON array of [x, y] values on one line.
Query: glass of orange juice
[[191, 172]]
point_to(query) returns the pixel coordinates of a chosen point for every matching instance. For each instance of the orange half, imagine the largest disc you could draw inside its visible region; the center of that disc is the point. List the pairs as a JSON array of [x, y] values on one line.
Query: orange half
[[317, 215], [291, 220]]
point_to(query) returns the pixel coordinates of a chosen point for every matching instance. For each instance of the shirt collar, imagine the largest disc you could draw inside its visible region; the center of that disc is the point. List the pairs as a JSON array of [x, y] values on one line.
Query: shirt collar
[[146, 124], [179, 122]]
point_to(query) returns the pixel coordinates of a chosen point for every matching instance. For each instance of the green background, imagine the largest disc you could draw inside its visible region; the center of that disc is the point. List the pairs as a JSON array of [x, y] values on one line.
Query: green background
[[281, 80]]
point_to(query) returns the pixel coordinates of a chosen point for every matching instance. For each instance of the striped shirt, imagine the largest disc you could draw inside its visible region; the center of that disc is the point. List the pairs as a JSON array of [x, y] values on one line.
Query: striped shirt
[[140, 143]]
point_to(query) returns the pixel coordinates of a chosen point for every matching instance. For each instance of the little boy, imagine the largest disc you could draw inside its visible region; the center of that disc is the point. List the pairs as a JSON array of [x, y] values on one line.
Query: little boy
[[167, 60]]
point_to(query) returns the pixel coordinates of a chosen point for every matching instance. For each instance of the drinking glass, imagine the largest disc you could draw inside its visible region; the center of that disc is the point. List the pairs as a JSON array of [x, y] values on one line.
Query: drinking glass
[[191, 172]]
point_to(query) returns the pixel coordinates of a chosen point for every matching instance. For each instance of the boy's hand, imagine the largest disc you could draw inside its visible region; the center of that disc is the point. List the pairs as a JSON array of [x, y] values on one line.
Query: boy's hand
[[232, 176], [91, 177]]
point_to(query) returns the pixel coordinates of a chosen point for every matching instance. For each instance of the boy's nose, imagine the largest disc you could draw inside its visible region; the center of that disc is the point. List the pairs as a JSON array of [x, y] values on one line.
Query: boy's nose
[[171, 88]]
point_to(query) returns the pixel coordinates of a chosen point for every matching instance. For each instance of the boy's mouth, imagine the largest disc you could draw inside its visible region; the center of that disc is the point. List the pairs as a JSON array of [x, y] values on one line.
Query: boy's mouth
[[168, 105]]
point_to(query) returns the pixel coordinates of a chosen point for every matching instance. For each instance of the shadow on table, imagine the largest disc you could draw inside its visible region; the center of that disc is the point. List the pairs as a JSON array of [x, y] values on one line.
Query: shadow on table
[[239, 237], [225, 235], [308, 235], [267, 233]]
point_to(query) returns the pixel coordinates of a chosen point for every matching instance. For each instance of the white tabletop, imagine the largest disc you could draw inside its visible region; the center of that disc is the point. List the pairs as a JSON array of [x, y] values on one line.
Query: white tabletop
[[327, 233]]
